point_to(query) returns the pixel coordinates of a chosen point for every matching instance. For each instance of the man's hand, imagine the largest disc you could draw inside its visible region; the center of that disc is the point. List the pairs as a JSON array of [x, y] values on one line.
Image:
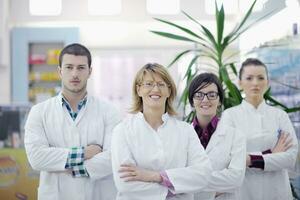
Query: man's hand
[[91, 150], [133, 173], [284, 143]]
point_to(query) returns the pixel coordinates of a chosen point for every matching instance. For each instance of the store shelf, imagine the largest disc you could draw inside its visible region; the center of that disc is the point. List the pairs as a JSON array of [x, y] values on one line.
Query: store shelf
[[43, 78], [34, 61]]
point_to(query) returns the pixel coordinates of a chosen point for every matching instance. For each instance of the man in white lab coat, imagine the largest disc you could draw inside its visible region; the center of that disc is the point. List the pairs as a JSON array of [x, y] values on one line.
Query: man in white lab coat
[[67, 137]]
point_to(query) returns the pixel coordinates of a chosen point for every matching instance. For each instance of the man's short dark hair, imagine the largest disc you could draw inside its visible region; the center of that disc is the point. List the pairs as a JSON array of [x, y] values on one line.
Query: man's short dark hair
[[203, 80], [76, 50], [251, 62]]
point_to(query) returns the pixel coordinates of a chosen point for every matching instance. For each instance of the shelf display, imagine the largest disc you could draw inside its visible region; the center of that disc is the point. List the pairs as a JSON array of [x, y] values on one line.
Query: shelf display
[[44, 81], [34, 60]]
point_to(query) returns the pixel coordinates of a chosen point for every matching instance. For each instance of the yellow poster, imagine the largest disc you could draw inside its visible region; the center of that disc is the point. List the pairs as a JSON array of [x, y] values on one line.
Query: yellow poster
[[17, 179]]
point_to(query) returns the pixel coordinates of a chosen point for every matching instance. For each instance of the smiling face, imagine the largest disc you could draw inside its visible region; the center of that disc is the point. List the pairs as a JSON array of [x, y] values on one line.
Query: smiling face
[[74, 73], [207, 107], [254, 82], [154, 91]]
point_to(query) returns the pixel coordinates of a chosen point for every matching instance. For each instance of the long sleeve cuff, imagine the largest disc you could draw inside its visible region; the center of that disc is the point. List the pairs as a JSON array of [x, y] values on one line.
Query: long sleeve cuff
[[267, 151], [75, 157], [257, 161], [167, 183], [79, 171], [75, 162]]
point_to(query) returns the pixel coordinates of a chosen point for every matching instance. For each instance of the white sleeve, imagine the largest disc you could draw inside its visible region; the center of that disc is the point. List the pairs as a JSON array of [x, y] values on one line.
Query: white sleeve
[[40, 155], [231, 177], [121, 154], [195, 176], [100, 165], [287, 159], [227, 119]]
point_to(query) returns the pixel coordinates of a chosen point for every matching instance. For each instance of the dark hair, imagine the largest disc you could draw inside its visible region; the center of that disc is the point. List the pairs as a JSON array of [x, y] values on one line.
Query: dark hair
[[252, 62], [203, 80], [77, 50]]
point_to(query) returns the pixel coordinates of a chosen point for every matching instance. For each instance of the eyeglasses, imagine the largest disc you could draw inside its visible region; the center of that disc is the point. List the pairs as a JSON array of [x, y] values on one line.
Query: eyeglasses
[[151, 85], [210, 95]]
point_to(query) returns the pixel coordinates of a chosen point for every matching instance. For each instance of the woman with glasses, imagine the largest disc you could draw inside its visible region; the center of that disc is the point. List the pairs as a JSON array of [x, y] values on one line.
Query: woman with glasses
[[271, 141], [224, 145], [154, 155]]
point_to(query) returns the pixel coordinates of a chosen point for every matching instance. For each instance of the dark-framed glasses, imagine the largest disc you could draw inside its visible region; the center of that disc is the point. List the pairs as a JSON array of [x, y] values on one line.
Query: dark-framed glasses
[[151, 85], [210, 95]]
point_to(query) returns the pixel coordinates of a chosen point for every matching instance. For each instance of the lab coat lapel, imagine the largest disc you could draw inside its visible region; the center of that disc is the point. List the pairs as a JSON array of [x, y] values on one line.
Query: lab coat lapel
[[81, 114], [82, 111], [70, 131], [59, 108]]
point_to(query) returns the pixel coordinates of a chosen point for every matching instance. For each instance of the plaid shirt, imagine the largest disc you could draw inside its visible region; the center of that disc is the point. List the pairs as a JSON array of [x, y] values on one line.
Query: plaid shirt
[[205, 134], [76, 155], [71, 112]]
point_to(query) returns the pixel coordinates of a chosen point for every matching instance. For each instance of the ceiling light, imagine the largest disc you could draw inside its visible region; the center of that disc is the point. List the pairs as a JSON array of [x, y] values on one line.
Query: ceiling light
[[45, 7]]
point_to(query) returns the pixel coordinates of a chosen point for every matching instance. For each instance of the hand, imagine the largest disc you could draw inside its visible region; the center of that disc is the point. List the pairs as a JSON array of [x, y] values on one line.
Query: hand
[[248, 161], [131, 172], [284, 143], [91, 150]]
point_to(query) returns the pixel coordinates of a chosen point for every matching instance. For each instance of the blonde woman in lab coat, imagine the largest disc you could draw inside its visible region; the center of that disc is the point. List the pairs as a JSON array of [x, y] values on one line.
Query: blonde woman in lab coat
[[67, 137], [154, 155], [225, 146], [271, 141]]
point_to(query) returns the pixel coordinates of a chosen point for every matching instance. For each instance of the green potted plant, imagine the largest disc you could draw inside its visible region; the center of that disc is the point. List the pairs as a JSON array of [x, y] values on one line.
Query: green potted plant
[[213, 47]]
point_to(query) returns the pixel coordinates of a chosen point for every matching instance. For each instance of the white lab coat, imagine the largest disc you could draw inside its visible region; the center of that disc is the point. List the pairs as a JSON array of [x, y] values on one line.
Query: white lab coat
[[49, 134], [260, 127], [227, 153], [173, 148]]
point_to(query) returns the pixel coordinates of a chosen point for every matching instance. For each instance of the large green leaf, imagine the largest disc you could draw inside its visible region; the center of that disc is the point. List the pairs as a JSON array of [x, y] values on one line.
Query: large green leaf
[[220, 18], [183, 97], [274, 102], [189, 118], [238, 27], [242, 30], [232, 66], [233, 90], [193, 61], [175, 36], [210, 37], [291, 110], [206, 32], [181, 28], [178, 56], [183, 38], [191, 18]]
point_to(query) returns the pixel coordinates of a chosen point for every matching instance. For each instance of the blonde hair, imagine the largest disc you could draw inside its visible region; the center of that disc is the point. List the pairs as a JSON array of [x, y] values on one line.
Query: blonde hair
[[153, 68]]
